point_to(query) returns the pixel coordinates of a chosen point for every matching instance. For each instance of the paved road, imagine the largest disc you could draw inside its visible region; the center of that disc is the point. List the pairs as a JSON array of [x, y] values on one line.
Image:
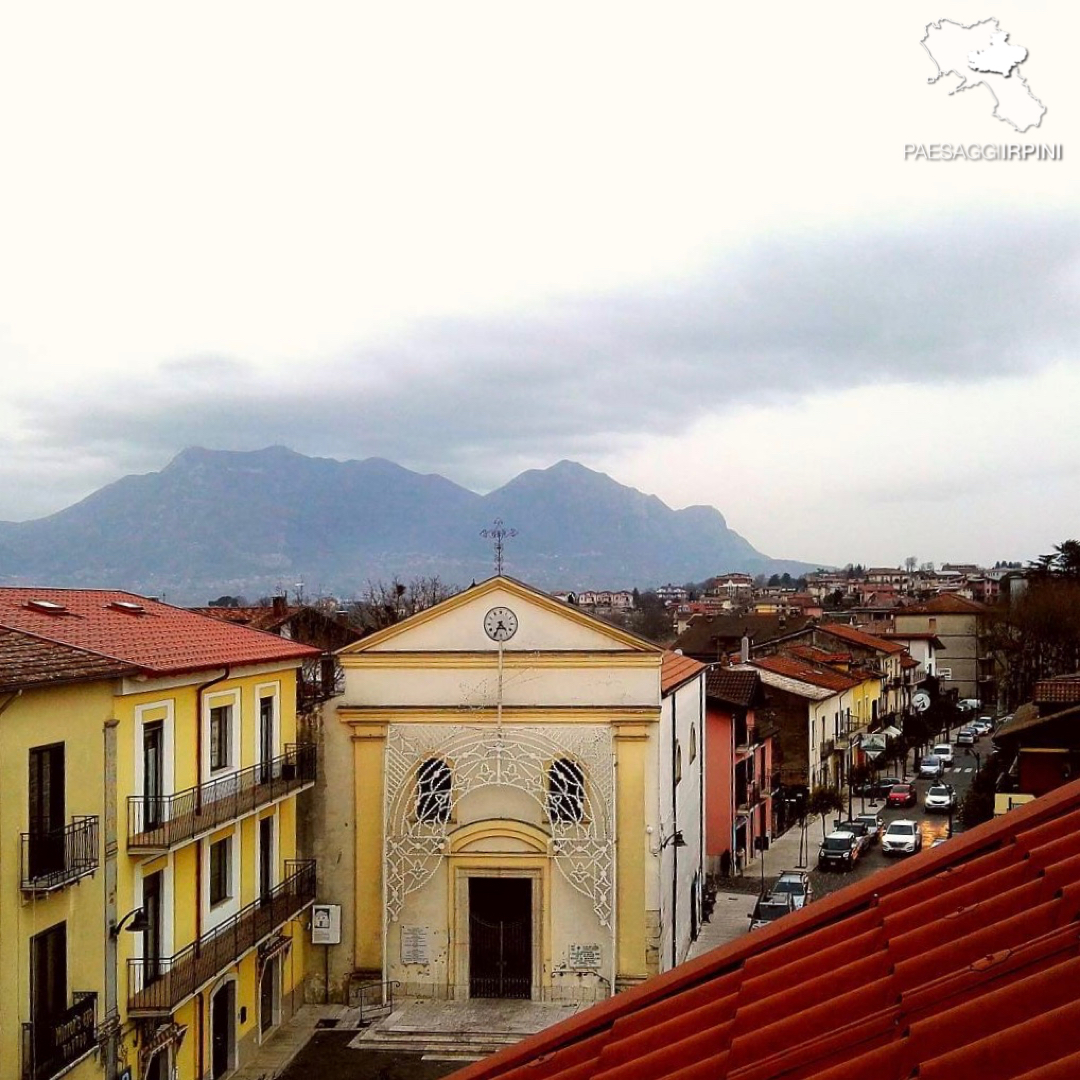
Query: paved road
[[931, 825]]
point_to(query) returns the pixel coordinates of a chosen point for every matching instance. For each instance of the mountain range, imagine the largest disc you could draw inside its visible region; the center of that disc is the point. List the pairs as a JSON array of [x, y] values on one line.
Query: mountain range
[[218, 522]]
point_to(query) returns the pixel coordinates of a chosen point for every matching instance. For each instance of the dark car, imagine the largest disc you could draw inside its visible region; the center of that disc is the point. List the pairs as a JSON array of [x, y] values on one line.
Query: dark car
[[838, 850], [903, 795], [770, 907], [877, 788]]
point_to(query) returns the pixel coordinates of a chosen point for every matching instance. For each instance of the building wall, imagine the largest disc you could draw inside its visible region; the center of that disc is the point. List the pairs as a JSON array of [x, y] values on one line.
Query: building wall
[[564, 685], [74, 716]]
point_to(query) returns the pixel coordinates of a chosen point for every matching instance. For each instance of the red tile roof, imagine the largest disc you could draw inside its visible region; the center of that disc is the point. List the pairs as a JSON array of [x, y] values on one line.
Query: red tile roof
[[676, 669], [1061, 690], [860, 637], [945, 604], [814, 674], [27, 661], [961, 962], [146, 634], [733, 686]]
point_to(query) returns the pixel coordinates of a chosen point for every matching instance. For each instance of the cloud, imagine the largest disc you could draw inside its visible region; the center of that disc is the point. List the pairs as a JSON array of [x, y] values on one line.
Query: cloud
[[947, 301]]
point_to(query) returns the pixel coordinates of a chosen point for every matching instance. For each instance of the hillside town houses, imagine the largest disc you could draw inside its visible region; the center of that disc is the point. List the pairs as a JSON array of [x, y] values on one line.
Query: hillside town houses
[[215, 815]]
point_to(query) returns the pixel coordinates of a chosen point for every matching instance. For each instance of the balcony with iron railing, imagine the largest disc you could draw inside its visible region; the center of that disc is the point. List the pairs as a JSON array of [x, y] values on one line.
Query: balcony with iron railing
[[826, 748], [157, 822], [747, 796], [51, 1046], [53, 858], [157, 985]]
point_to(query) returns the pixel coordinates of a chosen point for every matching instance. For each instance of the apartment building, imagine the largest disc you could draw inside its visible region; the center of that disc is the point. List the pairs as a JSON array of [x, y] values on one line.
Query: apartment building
[[152, 901]]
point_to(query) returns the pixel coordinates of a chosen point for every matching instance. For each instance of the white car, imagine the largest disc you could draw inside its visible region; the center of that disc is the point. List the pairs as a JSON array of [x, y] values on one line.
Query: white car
[[798, 884], [984, 725], [931, 768], [944, 751], [940, 799], [902, 837]]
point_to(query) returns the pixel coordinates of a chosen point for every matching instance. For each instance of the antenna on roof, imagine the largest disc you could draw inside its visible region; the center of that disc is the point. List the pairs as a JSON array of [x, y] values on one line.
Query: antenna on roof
[[498, 534]]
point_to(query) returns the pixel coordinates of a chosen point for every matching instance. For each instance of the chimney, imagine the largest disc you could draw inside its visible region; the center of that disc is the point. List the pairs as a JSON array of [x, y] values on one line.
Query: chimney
[[281, 607], [744, 650]]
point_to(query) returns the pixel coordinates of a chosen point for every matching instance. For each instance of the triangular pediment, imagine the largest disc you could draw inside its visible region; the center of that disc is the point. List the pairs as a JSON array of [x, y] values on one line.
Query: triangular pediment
[[544, 624]]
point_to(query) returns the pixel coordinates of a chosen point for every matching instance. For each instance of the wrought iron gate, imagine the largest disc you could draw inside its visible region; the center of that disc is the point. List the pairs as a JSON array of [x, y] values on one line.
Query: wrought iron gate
[[500, 945]]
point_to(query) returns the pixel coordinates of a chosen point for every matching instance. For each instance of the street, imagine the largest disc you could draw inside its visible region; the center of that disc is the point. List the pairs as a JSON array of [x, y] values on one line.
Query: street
[[932, 825]]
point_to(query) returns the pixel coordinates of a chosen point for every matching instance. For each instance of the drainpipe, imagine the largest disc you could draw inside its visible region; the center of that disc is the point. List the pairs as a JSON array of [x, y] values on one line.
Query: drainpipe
[[674, 832], [112, 939]]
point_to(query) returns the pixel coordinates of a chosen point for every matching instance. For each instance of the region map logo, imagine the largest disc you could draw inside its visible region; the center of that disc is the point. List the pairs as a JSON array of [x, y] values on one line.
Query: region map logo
[[982, 56]]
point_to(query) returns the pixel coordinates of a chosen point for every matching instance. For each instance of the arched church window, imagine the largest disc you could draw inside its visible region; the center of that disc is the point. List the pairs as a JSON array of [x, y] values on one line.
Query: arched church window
[[566, 790], [434, 786], [678, 761], [693, 743]]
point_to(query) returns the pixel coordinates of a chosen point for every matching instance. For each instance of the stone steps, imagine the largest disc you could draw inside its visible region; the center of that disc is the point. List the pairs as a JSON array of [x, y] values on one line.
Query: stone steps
[[450, 1044]]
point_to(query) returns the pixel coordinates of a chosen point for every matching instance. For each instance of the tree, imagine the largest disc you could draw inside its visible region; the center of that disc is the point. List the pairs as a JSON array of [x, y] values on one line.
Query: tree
[[651, 618], [386, 603], [910, 563], [774, 580], [823, 801], [227, 602]]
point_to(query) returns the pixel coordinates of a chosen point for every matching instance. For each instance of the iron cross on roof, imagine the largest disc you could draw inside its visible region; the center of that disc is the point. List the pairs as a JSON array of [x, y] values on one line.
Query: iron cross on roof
[[498, 534]]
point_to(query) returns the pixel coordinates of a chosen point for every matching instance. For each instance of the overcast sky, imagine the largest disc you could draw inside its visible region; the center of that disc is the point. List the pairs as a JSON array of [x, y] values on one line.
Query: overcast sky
[[677, 243]]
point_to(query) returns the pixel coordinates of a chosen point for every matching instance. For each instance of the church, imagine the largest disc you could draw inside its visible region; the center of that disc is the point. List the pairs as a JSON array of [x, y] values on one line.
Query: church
[[512, 804]]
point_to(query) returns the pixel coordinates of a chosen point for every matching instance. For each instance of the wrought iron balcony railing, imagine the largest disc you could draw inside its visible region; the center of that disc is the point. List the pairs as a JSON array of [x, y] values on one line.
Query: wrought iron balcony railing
[[157, 985], [51, 1046], [159, 821], [57, 857], [827, 747], [749, 796]]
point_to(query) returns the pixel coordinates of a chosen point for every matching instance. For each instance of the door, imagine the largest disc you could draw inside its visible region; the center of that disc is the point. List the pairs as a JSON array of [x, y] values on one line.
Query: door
[[268, 996], [48, 993], [158, 1068], [153, 768], [266, 857], [500, 937], [46, 810], [266, 737], [152, 936], [222, 1010]]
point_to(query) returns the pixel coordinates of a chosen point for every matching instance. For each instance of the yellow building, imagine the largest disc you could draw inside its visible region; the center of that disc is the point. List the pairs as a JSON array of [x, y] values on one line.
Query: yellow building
[[152, 905], [511, 805]]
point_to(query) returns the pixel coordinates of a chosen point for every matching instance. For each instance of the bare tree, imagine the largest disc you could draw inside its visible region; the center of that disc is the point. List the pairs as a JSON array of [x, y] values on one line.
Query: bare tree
[[384, 603]]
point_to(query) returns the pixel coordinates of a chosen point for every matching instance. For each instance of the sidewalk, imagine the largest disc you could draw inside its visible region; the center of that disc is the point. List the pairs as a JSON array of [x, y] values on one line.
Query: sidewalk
[[730, 917]]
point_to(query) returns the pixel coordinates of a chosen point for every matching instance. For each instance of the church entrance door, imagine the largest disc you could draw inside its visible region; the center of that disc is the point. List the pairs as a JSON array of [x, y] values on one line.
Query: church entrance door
[[500, 937]]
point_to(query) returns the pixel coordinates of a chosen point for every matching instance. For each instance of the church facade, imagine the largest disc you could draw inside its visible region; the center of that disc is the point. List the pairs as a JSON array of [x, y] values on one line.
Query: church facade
[[512, 804]]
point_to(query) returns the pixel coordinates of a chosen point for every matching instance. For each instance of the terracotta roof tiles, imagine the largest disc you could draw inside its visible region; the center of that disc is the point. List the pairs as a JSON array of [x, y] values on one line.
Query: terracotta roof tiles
[[962, 961], [676, 669], [30, 662], [860, 637], [814, 674], [144, 633], [733, 686]]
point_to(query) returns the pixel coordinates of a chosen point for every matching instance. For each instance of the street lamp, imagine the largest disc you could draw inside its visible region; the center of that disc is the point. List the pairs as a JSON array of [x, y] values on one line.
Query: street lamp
[[139, 923]]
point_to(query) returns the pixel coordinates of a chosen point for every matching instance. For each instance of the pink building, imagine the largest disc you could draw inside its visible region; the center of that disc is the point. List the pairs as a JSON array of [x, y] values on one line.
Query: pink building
[[738, 769]]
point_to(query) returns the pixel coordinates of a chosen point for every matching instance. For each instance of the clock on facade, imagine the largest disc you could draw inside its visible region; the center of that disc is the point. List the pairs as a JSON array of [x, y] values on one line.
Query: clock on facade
[[500, 624]]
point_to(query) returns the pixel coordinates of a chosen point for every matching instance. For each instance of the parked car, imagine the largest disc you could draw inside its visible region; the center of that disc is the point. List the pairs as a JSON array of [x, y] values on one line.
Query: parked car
[[877, 788], [839, 850], [968, 704], [875, 823], [940, 798], [902, 795], [931, 768], [984, 725], [967, 736], [902, 837], [944, 751], [770, 907], [796, 883], [859, 829]]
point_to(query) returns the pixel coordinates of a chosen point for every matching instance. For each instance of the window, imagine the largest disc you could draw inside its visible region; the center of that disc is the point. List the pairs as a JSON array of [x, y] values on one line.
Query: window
[[434, 787], [46, 810], [566, 791], [678, 761], [220, 736], [693, 744], [220, 871]]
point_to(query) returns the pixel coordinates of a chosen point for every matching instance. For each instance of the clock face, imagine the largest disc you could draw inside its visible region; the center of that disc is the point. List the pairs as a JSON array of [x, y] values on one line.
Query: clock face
[[500, 624]]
